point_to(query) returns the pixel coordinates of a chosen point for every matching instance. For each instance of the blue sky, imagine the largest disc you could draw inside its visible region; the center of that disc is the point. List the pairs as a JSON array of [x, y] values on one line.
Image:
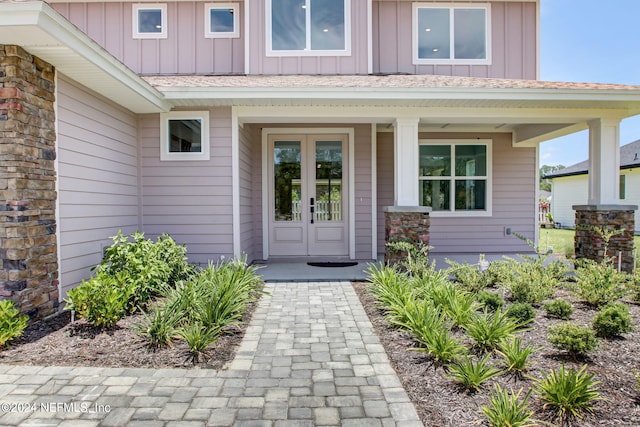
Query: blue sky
[[589, 41]]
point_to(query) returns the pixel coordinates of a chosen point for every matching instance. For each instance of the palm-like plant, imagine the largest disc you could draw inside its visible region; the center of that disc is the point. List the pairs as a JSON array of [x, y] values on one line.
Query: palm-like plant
[[570, 392], [506, 409], [489, 329], [516, 357], [471, 374]]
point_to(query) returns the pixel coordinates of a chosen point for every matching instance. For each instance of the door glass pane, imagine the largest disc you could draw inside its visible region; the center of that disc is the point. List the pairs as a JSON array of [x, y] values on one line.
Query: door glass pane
[[327, 25], [470, 34], [328, 181], [435, 160], [288, 25], [471, 160], [287, 174], [470, 194], [435, 193], [433, 33]]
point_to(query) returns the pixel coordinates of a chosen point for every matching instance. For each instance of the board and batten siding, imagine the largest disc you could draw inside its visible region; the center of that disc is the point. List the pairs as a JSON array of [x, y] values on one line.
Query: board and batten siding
[[362, 191], [98, 178], [260, 63], [513, 42], [249, 175], [184, 51], [514, 204], [190, 200], [633, 193]]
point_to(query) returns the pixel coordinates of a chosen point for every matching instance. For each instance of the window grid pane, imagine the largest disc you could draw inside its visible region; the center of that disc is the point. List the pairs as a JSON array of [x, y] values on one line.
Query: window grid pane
[[470, 34], [466, 189], [434, 33], [288, 24], [327, 25], [185, 136]]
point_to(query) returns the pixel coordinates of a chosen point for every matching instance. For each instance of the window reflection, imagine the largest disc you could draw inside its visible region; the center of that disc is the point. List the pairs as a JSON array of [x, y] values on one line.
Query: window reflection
[[221, 20], [185, 136], [150, 21], [322, 28]]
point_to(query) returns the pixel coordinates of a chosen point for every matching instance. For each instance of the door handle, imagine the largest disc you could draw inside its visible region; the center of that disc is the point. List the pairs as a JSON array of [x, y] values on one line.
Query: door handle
[[311, 209]]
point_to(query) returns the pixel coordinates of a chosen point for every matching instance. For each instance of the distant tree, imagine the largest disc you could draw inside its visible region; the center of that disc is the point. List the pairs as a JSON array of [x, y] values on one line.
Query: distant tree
[[545, 184]]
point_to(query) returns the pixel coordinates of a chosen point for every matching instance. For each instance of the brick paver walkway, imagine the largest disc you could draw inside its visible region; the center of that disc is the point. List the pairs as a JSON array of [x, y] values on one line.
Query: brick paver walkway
[[309, 358]]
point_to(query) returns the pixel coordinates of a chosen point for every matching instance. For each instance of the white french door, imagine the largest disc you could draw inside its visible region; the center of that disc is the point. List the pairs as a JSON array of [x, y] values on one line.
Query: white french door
[[308, 188]]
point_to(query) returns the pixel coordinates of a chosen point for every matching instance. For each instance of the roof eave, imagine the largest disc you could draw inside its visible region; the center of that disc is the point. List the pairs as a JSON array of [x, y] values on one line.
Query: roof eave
[[43, 32]]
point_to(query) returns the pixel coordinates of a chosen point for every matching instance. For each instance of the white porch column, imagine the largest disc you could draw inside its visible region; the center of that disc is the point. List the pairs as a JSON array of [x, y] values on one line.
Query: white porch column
[[604, 162], [406, 162]]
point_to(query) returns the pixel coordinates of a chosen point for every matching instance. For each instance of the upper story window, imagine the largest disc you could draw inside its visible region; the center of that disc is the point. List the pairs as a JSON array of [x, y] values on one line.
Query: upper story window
[[221, 20], [184, 135], [149, 21], [308, 27], [456, 34], [455, 178]]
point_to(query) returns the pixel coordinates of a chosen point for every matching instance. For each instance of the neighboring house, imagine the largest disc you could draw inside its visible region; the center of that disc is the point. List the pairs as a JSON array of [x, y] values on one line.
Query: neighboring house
[[280, 128], [570, 186]]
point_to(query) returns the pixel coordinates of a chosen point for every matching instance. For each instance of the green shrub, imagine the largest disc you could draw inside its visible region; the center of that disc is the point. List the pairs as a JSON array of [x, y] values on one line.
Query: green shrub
[[613, 320], [471, 374], [522, 312], [532, 283], [633, 284], [102, 300], [12, 324], [559, 308], [458, 305], [489, 329], [148, 266], [505, 409], [391, 288], [574, 339], [490, 300], [499, 273], [516, 357], [570, 392], [468, 276], [599, 283], [415, 259]]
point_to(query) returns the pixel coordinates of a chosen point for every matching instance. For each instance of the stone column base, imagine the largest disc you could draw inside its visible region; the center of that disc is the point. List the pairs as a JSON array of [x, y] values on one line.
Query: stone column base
[[590, 244], [405, 224]]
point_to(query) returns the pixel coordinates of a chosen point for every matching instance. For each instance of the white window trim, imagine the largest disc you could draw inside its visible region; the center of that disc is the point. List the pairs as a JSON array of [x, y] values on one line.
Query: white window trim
[[221, 35], [308, 52], [165, 154], [489, 177], [150, 6], [444, 61]]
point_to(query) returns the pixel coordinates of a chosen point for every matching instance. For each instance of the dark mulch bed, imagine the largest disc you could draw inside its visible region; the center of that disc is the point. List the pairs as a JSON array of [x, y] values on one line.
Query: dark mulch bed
[[440, 402], [59, 342]]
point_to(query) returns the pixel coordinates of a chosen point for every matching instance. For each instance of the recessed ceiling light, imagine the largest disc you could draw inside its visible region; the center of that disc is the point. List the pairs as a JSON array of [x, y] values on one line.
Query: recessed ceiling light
[[427, 29], [326, 30], [436, 49]]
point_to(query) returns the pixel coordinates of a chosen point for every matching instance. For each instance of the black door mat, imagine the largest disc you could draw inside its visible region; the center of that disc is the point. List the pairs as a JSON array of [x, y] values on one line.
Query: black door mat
[[332, 264]]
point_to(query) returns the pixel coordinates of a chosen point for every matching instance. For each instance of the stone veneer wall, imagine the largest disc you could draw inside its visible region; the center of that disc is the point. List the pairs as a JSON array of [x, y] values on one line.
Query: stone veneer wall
[[589, 243], [28, 247], [405, 224]]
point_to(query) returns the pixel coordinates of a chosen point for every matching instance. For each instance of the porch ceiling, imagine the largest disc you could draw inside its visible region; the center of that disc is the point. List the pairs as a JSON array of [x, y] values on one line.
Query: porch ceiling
[[534, 111]]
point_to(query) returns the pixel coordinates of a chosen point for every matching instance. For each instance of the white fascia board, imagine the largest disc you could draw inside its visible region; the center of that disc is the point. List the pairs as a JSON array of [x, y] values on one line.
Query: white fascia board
[[73, 53], [524, 94]]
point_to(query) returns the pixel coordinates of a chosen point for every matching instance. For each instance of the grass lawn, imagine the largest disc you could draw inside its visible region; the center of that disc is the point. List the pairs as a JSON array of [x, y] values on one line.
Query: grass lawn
[[562, 240]]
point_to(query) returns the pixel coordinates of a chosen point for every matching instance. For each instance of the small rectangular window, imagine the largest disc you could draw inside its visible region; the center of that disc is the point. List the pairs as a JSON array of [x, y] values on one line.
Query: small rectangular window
[[221, 20], [456, 34], [184, 135], [149, 21], [308, 27], [623, 187], [455, 177]]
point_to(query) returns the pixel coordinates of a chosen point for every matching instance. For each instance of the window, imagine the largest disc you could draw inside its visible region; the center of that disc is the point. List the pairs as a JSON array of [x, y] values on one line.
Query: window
[[458, 34], [149, 21], [455, 176], [623, 187], [308, 27], [184, 135], [221, 20]]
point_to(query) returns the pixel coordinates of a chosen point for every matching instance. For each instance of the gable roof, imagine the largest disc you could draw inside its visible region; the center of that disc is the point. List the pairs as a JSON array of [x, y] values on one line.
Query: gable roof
[[629, 158]]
